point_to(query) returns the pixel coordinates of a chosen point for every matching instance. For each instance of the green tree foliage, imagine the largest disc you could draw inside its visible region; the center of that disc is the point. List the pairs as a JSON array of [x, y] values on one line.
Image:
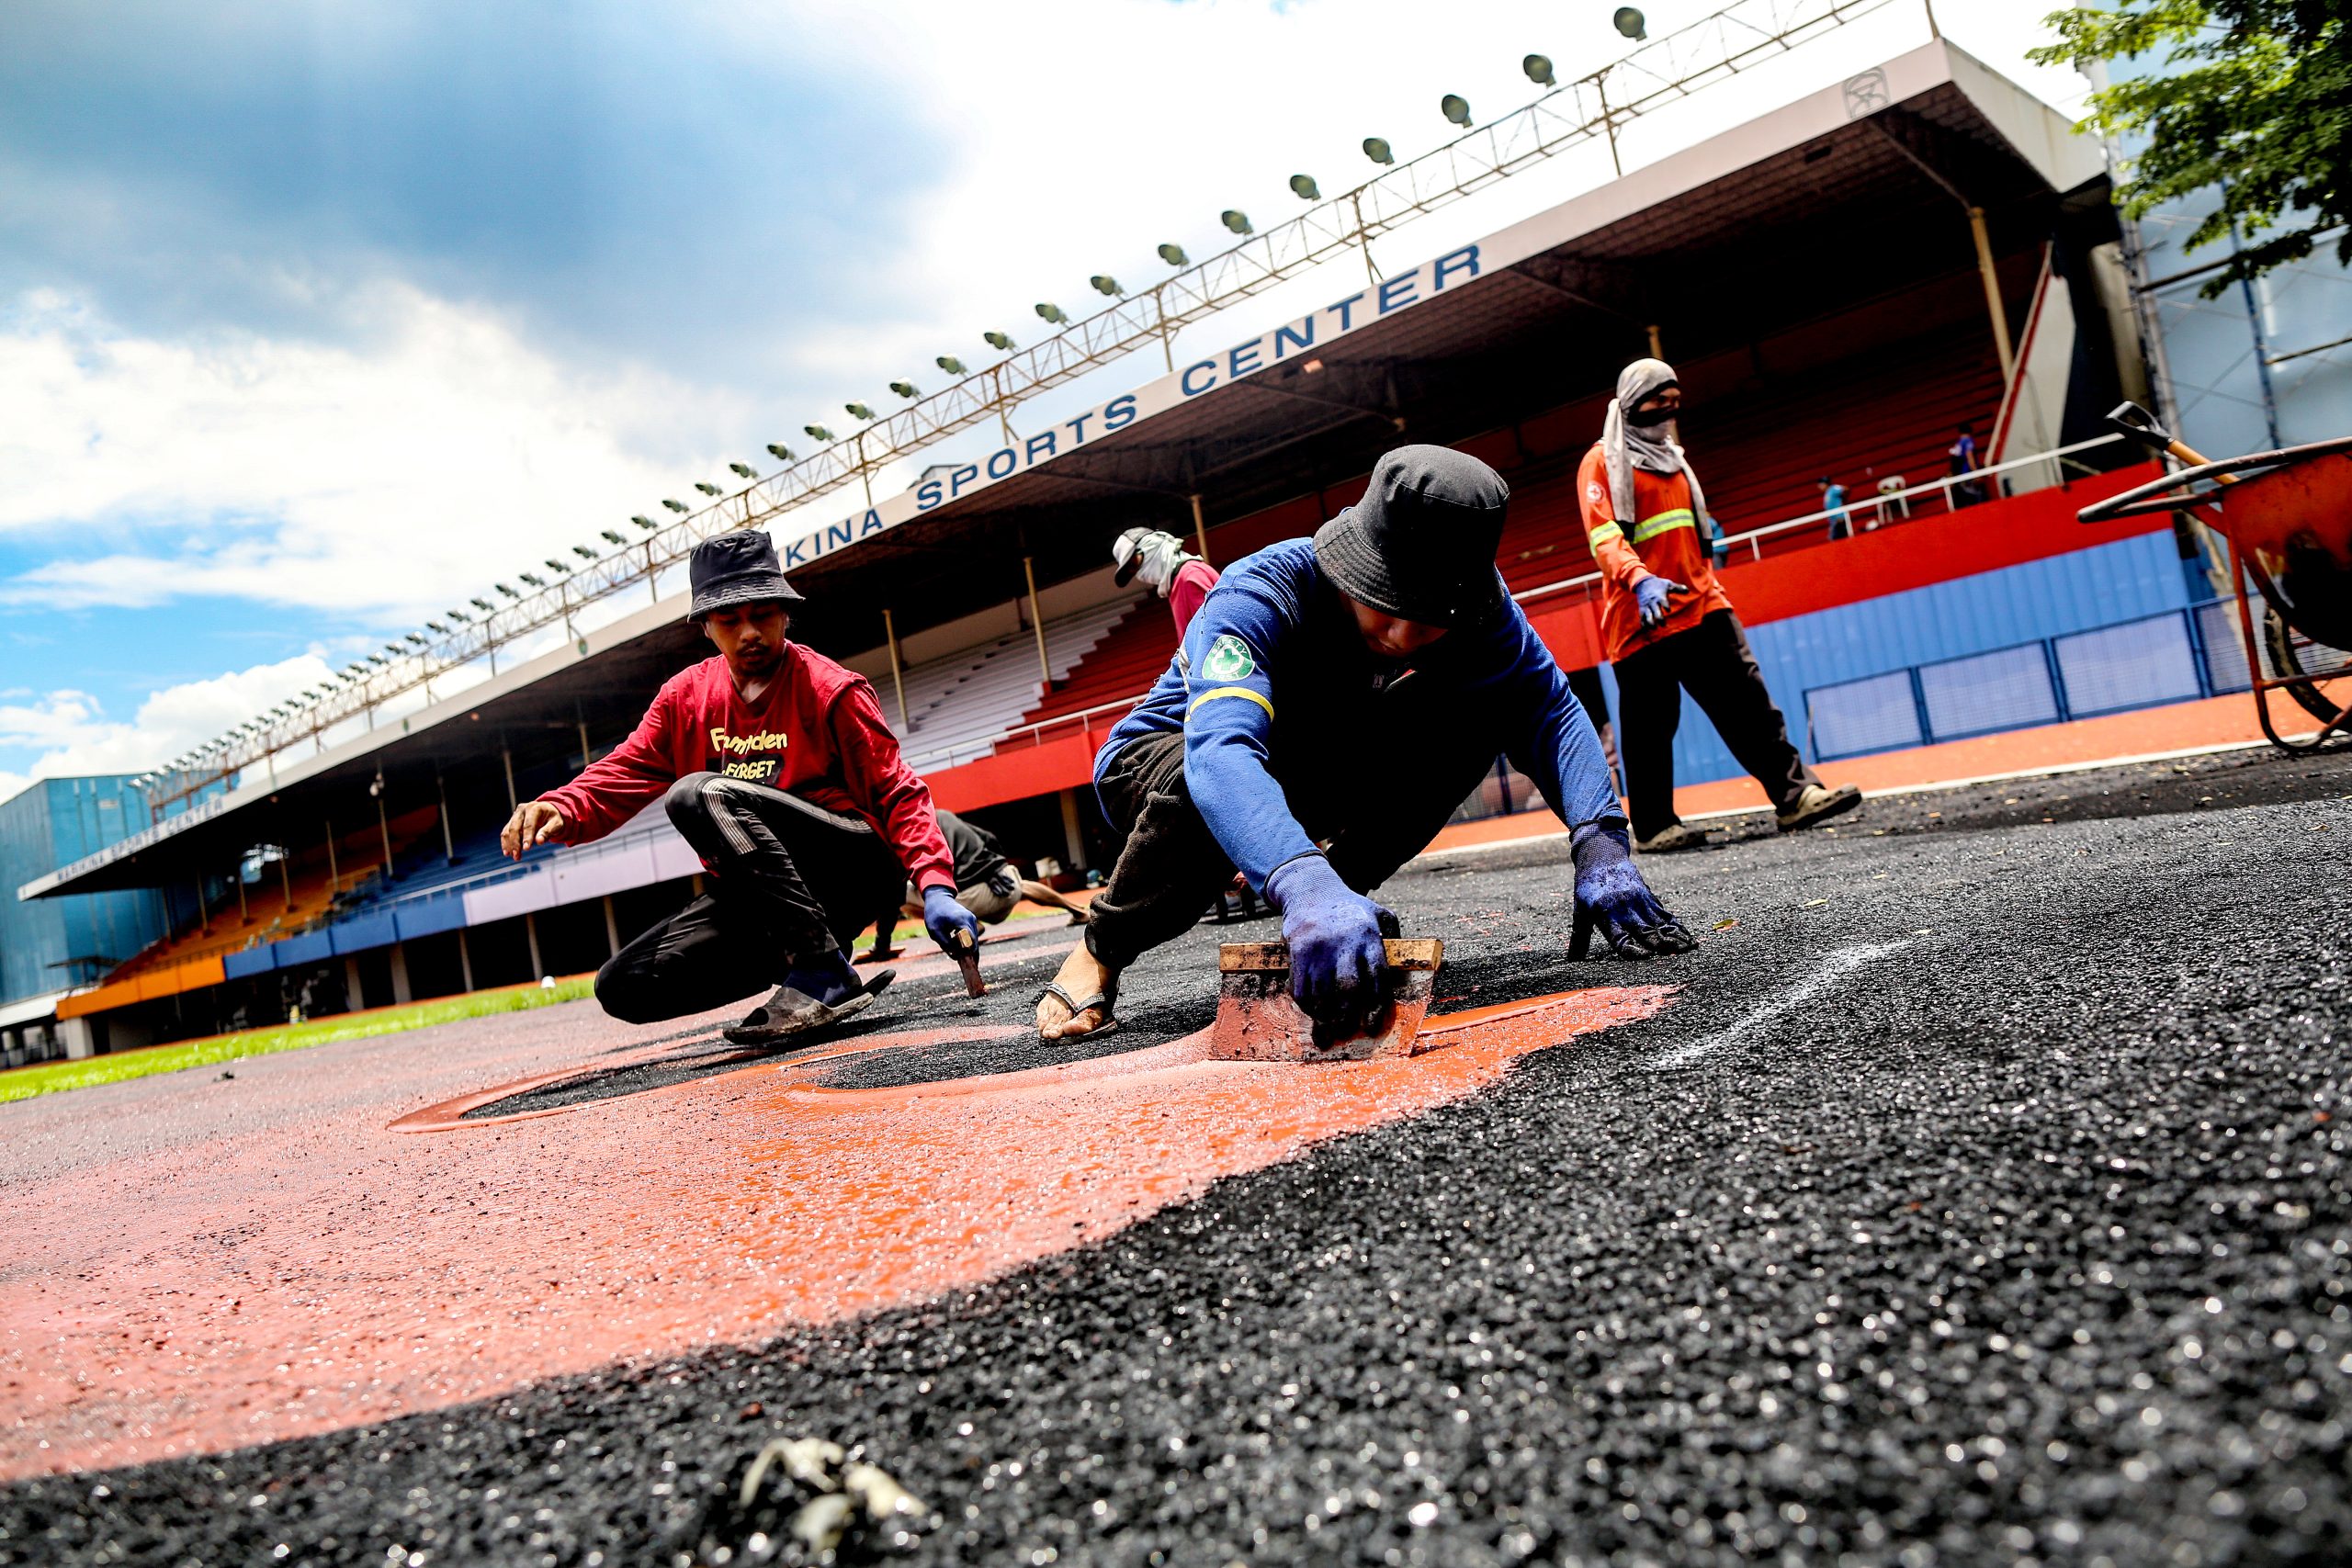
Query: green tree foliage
[[2254, 96]]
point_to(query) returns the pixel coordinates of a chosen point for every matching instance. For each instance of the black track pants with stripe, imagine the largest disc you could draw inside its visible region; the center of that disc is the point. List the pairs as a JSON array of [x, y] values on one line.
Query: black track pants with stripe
[[793, 881]]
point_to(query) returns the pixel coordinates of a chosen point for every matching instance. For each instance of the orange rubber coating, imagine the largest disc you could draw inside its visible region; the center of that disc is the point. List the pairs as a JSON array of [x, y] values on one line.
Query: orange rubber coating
[[254, 1277]]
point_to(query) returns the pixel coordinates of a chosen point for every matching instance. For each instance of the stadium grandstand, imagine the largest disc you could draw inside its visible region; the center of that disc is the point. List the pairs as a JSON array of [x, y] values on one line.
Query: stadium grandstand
[[1844, 284]]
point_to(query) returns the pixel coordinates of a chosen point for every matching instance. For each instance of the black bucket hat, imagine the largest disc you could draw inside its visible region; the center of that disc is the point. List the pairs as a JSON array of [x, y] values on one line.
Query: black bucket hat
[[1421, 543], [737, 568]]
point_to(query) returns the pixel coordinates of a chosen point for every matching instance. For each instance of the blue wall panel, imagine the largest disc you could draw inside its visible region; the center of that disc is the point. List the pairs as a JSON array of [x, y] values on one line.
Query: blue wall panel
[[310, 947], [363, 932], [425, 916], [1968, 615], [251, 962]]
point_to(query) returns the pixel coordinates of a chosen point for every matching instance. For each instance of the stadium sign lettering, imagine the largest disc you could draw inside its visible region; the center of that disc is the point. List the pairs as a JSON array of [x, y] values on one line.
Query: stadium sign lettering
[[1260, 353]]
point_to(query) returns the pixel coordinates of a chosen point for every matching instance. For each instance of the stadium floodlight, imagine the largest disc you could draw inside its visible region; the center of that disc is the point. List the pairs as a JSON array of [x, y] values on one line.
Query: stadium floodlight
[[641, 521], [743, 470], [1236, 220], [859, 410], [416, 638], [508, 592], [779, 451], [611, 536], [1455, 107], [1376, 149], [434, 627], [950, 364], [1304, 187], [461, 617], [818, 432], [1052, 312], [557, 567], [1000, 341], [356, 669], [534, 581], [395, 649], [708, 488], [1631, 23], [584, 552], [905, 389], [1106, 285], [677, 506], [1538, 70], [483, 605], [1173, 254]]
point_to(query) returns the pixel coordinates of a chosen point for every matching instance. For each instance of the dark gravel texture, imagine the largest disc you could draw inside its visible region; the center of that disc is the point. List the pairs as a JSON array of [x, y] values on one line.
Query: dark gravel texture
[[1997, 1210]]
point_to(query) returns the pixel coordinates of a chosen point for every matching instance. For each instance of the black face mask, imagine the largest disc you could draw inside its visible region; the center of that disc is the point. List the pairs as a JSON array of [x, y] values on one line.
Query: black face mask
[[1654, 419]]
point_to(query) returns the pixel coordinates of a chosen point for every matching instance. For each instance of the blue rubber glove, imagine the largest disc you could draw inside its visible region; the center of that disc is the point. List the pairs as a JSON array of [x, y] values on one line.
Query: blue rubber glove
[[944, 918], [1651, 594], [1336, 957], [1611, 895]]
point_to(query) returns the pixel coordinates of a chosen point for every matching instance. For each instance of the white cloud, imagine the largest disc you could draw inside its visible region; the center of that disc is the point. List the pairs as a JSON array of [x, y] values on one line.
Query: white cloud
[[440, 453], [68, 732]]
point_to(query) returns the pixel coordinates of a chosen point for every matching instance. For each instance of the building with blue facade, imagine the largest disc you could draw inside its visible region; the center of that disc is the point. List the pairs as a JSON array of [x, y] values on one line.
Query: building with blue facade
[[49, 946]]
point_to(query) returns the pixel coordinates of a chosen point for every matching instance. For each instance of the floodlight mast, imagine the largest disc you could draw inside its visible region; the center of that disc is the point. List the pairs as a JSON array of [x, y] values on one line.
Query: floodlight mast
[[1571, 115]]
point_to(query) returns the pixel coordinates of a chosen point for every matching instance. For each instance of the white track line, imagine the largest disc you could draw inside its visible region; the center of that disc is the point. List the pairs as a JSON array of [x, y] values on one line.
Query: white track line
[[1834, 968]]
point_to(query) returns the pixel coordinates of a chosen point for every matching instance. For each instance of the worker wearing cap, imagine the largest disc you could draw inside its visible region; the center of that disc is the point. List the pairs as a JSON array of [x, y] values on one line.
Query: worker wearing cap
[[775, 764], [1161, 559], [1669, 625], [1332, 701]]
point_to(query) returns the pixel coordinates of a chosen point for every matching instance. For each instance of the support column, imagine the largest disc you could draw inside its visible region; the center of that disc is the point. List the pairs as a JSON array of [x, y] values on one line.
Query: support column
[[78, 1038], [384, 825], [1037, 620], [244, 915], [354, 994], [586, 755], [897, 678], [612, 930], [286, 875], [1200, 531], [465, 960], [448, 845], [1073, 832], [401, 994], [334, 876], [531, 936], [1658, 346], [506, 757], [1993, 294]]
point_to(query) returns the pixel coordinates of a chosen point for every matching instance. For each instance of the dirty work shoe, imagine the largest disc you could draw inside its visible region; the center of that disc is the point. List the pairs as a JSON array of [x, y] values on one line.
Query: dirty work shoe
[[792, 1012], [1672, 837], [1818, 805]]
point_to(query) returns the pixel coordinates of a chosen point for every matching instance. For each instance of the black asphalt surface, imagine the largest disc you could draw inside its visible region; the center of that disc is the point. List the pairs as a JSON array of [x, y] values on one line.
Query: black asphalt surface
[[1982, 1197]]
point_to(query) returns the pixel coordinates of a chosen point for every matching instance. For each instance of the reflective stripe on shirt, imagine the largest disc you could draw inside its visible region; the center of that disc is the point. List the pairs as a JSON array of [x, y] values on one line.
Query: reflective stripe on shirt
[[1663, 522], [1215, 691]]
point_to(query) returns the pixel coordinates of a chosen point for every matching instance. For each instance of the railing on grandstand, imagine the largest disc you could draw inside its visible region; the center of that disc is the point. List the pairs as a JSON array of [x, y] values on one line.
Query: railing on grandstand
[[2177, 656], [1867, 512]]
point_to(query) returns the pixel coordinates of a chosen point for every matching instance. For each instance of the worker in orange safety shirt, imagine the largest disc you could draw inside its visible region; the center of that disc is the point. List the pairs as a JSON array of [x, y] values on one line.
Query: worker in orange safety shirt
[[1669, 627]]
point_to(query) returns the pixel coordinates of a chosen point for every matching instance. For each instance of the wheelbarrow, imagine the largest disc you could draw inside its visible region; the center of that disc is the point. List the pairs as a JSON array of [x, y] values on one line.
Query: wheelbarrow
[[2288, 517]]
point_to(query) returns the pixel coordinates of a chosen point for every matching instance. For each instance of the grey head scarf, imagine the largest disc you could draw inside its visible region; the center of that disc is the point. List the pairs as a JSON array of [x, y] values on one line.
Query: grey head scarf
[[1625, 447]]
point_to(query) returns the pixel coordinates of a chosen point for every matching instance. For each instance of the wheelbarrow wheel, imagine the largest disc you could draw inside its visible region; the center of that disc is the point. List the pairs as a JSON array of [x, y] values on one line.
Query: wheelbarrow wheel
[[2289, 655]]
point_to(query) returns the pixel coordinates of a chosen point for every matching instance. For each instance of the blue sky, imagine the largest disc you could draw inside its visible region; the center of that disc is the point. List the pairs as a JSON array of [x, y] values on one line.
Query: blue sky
[[316, 317]]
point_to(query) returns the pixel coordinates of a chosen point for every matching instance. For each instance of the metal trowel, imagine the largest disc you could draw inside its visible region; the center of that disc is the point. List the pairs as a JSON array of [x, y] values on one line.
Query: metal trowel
[[1257, 1021]]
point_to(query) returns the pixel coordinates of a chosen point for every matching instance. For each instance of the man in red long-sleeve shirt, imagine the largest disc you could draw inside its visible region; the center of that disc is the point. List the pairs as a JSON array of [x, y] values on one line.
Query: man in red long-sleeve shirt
[[775, 764]]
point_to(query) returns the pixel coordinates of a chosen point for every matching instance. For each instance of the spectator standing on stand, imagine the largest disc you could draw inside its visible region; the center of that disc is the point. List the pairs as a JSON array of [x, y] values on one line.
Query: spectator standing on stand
[[1669, 625], [1833, 502], [1963, 453]]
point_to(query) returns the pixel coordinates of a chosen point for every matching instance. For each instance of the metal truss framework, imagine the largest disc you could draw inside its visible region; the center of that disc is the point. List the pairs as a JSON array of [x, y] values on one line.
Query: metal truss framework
[[1575, 114]]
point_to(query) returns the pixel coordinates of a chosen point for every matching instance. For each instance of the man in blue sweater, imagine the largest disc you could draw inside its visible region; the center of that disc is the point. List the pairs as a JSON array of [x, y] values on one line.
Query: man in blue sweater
[[1332, 701]]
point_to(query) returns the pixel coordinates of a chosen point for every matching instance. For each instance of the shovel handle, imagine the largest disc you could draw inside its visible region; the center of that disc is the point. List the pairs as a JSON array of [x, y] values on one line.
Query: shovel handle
[[2130, 419]]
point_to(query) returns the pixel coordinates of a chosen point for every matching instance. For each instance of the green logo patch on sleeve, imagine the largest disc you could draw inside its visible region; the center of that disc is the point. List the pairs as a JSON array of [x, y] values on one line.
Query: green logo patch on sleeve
[[1228, 659]]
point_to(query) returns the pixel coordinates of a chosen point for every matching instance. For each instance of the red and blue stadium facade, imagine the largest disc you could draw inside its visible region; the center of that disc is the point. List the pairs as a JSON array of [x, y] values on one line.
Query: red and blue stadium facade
[[1810, 274]]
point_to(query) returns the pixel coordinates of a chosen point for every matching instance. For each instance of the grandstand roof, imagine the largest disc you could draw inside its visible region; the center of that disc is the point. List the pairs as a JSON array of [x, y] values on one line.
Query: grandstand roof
[[1848, 193]]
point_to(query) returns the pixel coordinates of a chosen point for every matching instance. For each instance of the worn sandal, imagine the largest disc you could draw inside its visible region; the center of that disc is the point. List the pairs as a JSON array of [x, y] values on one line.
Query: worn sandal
[[1103, 1000]]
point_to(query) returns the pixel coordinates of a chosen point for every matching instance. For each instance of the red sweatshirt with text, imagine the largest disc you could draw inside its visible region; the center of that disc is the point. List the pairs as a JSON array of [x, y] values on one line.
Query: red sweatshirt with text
[[817, 732]]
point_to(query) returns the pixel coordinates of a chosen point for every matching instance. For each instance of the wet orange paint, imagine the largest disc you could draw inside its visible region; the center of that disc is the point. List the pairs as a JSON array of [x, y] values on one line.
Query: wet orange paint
[[270, 1285]]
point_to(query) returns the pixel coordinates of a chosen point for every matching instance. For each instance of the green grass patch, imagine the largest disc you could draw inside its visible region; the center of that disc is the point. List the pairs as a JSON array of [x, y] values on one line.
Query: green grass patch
[[49, 1077]]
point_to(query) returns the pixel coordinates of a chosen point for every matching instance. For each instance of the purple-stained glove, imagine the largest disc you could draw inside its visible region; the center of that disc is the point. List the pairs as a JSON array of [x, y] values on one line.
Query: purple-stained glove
[[1336, 957], [1612, 896], [1651, 594]]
